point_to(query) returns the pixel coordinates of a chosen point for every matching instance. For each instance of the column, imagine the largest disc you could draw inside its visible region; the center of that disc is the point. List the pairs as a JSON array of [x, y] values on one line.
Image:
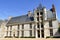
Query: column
[[36, 30], [32, 29], [40, 29], [10, 30], [22, 30], [18, 31], [7, 31]]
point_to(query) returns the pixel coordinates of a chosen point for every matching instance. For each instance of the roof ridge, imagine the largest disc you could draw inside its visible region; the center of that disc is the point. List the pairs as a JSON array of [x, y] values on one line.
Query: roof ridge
[[19, 16]]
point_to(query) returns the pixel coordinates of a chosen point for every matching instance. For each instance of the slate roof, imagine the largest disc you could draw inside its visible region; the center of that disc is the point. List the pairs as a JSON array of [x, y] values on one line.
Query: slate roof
[[20, 19], [50, 15], [25, 18]]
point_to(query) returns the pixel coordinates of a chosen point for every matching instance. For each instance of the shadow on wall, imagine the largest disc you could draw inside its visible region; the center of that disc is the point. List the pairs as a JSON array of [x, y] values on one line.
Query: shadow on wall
[[57, 34]]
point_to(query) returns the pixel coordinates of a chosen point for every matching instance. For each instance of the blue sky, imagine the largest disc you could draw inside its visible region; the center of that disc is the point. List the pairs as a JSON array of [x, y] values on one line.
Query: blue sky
[[21, 7]]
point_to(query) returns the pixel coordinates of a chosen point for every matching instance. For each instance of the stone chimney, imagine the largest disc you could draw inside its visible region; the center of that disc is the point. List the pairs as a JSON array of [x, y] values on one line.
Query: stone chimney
[[29, 13], [53, 8]]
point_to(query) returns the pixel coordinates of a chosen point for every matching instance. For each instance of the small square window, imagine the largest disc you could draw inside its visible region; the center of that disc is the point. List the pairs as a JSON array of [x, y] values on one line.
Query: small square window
[[41, 13], [50, 23]]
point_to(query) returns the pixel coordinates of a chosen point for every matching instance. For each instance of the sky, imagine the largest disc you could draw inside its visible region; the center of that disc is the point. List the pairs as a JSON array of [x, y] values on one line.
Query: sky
[[21, 7]]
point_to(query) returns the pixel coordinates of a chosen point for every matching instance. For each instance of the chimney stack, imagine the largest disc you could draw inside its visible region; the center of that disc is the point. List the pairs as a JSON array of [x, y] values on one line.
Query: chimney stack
[[29, 13], [53, 8]]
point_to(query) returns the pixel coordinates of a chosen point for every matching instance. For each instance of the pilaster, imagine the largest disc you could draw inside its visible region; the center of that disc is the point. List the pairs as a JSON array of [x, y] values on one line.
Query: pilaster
[[36, 30]]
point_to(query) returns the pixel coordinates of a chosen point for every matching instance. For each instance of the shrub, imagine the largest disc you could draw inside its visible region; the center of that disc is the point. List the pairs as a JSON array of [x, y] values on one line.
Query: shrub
[[28, 37], [8, 36], [59, 29], [16, 37], [49, 37], [53, 37]]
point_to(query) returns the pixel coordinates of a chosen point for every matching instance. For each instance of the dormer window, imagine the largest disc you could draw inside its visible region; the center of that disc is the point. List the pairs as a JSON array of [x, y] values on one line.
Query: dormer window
[[41, 13], [50, 23]]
